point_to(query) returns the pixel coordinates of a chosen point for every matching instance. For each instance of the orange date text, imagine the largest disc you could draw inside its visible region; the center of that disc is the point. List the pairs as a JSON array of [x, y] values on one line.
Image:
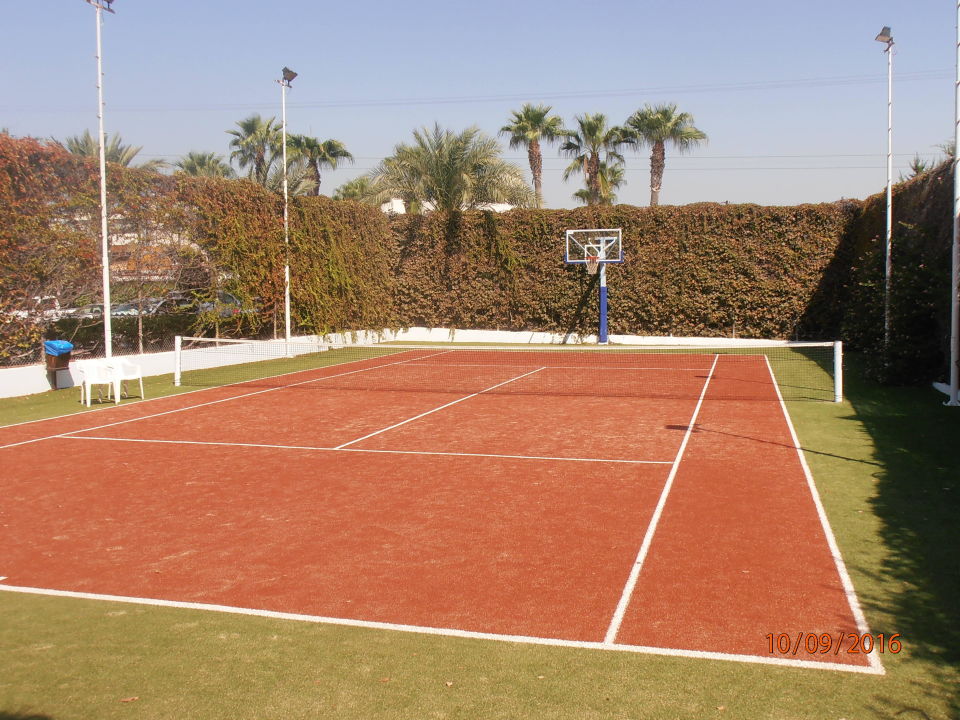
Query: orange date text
[[808, 643]]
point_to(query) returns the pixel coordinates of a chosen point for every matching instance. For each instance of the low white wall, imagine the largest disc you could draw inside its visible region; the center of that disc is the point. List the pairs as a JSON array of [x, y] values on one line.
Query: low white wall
[[31, 379]]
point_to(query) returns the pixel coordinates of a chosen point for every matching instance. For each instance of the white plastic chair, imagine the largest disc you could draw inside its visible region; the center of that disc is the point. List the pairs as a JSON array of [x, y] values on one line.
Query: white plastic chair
[[94, 372], [121, 371]]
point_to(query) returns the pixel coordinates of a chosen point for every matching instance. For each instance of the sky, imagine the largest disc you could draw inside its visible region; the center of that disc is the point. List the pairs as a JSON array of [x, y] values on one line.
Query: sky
[[792, 96]]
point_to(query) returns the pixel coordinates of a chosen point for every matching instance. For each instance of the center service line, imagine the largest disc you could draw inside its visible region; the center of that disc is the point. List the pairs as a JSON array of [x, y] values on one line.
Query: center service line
[[429, 412]]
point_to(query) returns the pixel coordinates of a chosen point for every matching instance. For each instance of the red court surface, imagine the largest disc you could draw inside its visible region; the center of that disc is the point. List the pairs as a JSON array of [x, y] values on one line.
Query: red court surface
[[676, 520]]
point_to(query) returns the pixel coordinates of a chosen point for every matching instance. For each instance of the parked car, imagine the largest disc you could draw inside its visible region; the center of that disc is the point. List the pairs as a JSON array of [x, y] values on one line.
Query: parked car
[[226, 305], [41, 308], [148, 306], [180, 304], [84, 312], [124, 310]]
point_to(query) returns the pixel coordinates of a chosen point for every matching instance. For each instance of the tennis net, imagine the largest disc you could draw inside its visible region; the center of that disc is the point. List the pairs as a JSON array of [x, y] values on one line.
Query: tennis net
[[802, 370]]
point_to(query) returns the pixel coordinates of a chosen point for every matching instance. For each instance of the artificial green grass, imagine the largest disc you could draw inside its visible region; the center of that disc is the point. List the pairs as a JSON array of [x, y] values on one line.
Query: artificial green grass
[[55, 403], [886, 467]]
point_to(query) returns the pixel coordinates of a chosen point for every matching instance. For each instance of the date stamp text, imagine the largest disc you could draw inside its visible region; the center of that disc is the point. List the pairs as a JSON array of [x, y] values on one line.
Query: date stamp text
[[808, 643]]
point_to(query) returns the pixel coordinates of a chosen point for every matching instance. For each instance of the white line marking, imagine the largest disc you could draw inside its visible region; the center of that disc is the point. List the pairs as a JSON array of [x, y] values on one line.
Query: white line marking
[[216, 402], [452, 632], [628, 589], [845, 580], [591, 368], [437, 409], [362, 450], [518, 457], [208, 389]]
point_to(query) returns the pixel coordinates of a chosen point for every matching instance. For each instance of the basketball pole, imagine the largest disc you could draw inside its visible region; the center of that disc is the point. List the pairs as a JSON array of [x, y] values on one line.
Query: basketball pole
[[602, 337]]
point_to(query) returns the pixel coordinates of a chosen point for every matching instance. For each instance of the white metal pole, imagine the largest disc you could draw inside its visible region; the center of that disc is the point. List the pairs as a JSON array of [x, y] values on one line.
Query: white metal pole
[[888, 260], [286, 225], [838, 371], [104, 238], [955, 269], [177, 359]]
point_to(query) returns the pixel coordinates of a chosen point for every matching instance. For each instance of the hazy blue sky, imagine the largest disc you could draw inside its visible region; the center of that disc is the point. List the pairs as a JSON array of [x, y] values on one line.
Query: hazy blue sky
[[792, 95]]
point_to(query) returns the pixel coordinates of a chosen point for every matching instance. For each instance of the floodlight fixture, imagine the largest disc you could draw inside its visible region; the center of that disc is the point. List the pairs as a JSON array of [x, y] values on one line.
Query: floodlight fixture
[[102, 5], [288, 76], [885, 36]]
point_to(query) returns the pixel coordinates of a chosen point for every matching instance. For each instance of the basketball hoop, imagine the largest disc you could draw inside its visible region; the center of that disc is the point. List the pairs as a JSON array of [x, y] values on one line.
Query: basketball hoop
[[593, 264]]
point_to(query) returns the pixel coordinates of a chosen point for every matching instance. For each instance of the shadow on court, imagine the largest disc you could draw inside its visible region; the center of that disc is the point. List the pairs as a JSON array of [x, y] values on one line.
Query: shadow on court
[[697, 428]]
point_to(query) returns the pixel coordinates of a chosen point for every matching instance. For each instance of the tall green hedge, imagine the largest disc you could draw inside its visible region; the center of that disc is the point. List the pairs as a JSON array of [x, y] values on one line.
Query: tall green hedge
[[918, 350], [703, 270]]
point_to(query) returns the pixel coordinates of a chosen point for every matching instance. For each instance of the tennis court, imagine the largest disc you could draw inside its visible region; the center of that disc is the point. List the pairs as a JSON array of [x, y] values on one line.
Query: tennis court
[[616, 501]]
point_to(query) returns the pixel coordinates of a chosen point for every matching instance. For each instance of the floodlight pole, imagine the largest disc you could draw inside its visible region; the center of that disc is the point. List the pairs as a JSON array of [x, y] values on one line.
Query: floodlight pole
[[101, 5], [886, 37], [288, 76], [954, 400]]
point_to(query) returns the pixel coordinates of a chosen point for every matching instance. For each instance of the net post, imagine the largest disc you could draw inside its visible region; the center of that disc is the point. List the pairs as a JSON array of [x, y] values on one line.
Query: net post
[[177, 365], [838, 371]]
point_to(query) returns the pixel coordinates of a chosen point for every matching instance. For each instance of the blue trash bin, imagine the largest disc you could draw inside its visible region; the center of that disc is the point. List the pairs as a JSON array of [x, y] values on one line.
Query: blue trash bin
[[58, 354]]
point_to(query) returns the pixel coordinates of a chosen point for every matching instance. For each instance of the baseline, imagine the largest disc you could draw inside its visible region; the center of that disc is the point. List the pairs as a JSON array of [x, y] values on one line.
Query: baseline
[[448, 632]]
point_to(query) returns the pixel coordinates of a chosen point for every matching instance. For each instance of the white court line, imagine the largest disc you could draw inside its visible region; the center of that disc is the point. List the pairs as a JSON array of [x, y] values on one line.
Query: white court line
[[215, 402], [452, 632], [848, 589], [217, 387], [628, 589], [437, 409], [362, 450], [591, 368]]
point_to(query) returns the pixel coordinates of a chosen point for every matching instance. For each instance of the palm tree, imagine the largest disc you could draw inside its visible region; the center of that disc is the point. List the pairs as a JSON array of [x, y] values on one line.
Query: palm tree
[[450, 171], [360, 188], [655, 126], [204, 164], [585, 145], [257, 144], [319, 154], [918, 166], [611, 178], [114, 150], [299, 177], [528, 126]]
